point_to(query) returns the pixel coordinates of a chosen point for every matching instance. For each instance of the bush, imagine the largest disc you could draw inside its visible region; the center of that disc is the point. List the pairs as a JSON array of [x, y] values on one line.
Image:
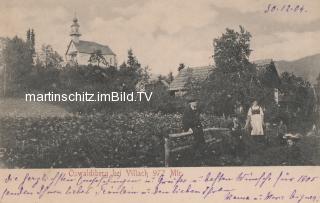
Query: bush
[[105, 140], [114, 140]]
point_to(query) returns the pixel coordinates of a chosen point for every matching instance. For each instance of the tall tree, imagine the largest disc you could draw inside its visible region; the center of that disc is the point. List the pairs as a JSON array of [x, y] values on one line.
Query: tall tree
[[131, 72], [17, 57], [170, 77], [33, 40], [234, 80], [28, 35]]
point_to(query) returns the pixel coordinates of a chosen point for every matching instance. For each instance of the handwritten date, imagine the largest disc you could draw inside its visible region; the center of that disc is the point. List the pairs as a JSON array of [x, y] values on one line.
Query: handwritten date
[[285, 8]]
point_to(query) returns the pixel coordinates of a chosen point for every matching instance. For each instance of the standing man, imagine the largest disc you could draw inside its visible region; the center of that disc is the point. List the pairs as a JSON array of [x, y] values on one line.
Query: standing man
[[191, 122]]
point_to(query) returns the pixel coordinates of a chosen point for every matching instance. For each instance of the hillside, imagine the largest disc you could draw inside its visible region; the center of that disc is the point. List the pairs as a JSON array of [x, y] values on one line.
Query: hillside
[[307, 67]]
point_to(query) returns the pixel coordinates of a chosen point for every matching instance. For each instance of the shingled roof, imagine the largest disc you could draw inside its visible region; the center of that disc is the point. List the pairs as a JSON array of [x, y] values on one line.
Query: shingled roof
[[194, 73], [90, 47], [262, 64], [268, 72]]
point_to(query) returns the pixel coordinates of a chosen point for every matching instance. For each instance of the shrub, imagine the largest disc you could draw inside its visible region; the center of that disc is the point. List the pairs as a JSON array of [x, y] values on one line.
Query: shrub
[[106, 140]]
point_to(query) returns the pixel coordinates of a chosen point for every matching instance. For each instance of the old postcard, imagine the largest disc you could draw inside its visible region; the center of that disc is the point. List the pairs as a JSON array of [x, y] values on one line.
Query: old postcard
[[159, 100]]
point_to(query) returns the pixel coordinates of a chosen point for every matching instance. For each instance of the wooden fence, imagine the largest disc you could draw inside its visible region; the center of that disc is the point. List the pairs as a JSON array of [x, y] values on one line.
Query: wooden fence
[[216, 134]]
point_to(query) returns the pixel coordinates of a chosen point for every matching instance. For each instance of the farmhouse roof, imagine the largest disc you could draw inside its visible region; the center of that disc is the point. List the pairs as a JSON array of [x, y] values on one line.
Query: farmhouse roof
[[262, 62], [165, 83], [90, 47], [196, 73], [268, 72]]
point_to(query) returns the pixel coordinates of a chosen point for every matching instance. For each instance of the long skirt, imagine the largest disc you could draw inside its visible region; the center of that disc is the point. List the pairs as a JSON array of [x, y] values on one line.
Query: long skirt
[[256, 124]]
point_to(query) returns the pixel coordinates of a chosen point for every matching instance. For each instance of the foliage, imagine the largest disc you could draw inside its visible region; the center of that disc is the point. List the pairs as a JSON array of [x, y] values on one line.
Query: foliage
[[17, 58], [170, 77], [31, 39], [97, 57], [48, 76], [234, 81], [131, 72], [181, 66], [119, 140], [162, 101], [48, 58], [114, 140], [298, 100]]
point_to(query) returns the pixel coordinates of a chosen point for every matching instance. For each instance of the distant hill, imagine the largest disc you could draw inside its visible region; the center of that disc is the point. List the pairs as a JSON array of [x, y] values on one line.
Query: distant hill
[[307, 67]]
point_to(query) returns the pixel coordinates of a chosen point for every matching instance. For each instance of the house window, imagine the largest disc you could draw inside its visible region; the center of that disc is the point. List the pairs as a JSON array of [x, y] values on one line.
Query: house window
[[111, 61]]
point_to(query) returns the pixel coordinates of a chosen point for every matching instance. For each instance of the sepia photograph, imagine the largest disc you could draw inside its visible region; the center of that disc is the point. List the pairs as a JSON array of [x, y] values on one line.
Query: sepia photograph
[[150, 83]]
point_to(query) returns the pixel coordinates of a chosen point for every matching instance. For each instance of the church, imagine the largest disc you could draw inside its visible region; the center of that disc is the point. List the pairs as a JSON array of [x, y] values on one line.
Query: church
[[79, 51]]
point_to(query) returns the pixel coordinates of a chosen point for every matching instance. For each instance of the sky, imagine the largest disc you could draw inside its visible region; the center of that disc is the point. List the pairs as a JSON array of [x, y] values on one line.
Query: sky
[[165, 33]]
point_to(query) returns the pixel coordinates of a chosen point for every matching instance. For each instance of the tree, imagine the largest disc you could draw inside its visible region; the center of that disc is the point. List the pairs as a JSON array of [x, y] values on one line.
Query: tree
[[131, 72], [28, 35], [17, 57], [299, 99], [232, 50], [31, 39], [48, 58], [170, 77], [234, 81], [97, 57], [181, 66]]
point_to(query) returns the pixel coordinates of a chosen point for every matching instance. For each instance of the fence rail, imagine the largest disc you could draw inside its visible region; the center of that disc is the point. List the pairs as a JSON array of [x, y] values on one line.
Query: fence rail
[[168, 150]]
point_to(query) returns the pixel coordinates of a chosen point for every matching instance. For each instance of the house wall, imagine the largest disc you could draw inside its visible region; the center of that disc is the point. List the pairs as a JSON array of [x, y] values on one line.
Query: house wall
[[83, 58]]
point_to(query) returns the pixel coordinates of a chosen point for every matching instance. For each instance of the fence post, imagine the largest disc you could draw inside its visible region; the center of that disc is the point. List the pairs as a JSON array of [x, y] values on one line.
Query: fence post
[[166, 152]]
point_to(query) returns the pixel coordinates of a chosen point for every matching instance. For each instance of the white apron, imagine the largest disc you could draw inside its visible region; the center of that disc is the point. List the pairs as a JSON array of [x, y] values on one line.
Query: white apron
[[256, 120]]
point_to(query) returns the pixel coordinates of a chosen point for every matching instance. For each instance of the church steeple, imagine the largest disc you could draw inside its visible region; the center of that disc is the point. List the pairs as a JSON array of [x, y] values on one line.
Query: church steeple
[[75, 33]]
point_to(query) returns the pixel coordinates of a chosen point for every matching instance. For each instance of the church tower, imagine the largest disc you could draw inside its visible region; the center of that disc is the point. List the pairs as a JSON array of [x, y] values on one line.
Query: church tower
[[75, 33]]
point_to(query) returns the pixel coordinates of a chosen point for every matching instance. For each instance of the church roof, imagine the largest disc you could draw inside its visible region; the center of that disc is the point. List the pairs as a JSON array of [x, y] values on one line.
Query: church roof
[[90, 47], [196, 73]]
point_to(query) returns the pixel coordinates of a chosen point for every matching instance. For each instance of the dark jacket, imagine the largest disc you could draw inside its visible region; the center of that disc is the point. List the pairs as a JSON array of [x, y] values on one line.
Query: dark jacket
[[191, 119]]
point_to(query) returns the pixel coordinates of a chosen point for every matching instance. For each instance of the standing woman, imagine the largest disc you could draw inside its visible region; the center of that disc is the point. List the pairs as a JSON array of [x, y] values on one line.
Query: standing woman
[[255, 122]]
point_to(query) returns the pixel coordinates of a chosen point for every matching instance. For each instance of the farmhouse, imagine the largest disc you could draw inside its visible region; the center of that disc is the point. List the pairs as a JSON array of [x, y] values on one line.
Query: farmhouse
[[266, 70], [79, 51]]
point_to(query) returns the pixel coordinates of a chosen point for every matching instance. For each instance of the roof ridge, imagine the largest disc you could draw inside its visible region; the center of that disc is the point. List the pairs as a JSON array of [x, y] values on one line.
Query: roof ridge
[[93, 42]]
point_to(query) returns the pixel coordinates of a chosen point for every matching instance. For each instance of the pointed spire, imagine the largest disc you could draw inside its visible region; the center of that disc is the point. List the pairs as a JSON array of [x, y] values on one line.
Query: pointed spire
[[75, 19]]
